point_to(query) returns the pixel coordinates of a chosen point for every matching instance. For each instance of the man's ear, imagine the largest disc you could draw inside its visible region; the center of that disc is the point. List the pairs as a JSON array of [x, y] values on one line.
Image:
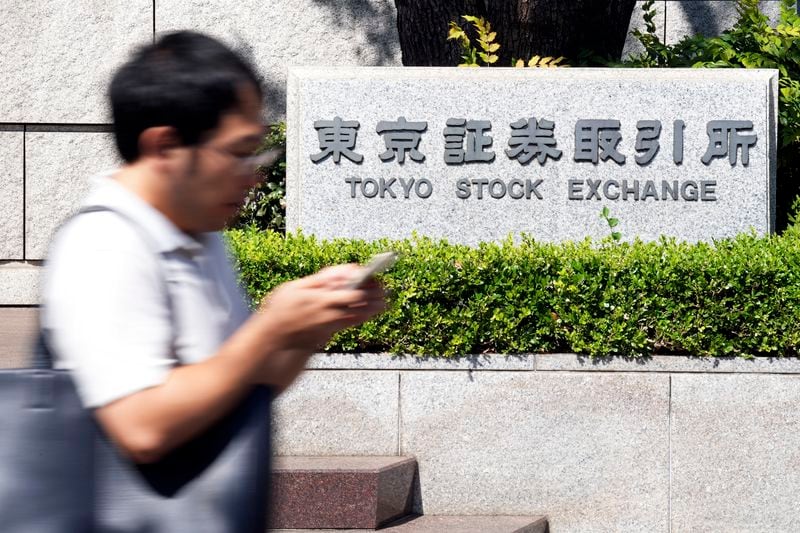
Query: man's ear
[[157, 141]]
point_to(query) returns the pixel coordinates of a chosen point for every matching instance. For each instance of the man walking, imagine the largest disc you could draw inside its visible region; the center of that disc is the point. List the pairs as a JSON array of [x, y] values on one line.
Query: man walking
[[140, 300]]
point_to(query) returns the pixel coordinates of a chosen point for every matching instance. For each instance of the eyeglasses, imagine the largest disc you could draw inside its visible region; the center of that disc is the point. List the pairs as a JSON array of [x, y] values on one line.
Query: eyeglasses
[[251, 163]]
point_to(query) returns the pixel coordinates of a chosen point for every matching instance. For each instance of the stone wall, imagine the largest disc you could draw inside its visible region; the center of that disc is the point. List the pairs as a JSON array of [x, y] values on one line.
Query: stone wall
[[670, 444], [58, 56]]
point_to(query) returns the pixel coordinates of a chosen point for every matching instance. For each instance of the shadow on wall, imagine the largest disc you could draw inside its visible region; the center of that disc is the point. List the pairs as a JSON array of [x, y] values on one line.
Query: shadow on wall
[[274, 91], [370, 26], [712, 18], [378, 18], [703, 20]]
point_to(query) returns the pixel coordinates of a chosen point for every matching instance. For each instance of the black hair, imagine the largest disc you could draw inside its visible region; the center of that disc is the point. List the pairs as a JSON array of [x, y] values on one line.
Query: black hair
[[185, 80]]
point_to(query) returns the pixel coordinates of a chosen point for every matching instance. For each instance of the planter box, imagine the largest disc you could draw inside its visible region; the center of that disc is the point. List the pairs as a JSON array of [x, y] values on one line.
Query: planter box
[[691, 444]]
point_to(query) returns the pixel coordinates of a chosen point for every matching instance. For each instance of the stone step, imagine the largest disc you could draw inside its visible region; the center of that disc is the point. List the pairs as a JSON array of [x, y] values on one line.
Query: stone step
[[451, 524], [340, 492]]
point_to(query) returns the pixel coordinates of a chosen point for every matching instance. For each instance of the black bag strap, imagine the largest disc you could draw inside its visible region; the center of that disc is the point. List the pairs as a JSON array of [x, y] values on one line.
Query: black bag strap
[[43, 358]]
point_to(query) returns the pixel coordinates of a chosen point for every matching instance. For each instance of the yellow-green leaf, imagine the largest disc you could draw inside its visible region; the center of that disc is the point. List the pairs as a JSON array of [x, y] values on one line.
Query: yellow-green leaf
[[491, 37], [545, 61], [533, 61], [520, 63], [454, 34], [493, 59], [494, 47]]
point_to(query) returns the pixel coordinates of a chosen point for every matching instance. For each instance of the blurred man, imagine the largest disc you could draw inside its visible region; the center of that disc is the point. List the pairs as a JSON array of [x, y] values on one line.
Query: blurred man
[[162, 344]]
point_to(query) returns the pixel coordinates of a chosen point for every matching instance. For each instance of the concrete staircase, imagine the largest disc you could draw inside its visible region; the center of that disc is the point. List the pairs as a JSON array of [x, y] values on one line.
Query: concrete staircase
[[364, 494]]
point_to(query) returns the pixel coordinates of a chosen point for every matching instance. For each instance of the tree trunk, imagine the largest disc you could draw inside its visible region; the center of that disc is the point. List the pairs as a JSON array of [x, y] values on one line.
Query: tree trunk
[[524, 28], [422, 26]]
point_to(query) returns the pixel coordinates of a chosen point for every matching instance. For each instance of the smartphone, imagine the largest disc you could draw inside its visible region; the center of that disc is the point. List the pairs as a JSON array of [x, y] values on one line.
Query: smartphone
[[377, 264]]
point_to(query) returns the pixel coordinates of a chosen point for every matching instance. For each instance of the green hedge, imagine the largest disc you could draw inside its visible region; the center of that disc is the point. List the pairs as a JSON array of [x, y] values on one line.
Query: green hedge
[[735, 297]]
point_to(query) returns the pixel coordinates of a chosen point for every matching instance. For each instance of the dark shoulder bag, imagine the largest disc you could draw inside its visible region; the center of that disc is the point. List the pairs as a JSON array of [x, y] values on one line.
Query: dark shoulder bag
[[59, 473]]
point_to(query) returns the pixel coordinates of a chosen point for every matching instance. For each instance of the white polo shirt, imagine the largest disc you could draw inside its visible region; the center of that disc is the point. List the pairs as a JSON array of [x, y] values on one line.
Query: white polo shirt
[[104, 300]]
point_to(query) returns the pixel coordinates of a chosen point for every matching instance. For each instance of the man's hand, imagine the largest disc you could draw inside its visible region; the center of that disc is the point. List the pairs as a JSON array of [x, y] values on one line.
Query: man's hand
[[302, 315], [308, 311]]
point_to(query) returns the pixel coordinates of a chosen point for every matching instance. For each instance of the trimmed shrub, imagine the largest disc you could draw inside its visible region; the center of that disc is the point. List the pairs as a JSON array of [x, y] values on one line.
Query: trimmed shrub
[[735, 297], [265, 205]]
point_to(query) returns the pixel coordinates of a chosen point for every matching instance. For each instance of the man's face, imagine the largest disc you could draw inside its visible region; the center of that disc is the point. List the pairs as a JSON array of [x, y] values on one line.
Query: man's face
[[212, 183]]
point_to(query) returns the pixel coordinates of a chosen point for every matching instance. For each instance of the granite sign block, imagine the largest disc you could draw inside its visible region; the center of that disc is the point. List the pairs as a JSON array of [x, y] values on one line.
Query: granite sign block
[[476, 155]]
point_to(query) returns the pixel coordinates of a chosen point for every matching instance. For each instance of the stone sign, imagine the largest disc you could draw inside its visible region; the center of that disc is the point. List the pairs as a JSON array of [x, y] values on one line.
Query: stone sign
[[474, 155]]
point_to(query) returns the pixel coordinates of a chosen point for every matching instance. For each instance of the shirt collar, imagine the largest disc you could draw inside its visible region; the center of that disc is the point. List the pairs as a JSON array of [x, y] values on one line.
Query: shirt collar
[[107, 192]]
